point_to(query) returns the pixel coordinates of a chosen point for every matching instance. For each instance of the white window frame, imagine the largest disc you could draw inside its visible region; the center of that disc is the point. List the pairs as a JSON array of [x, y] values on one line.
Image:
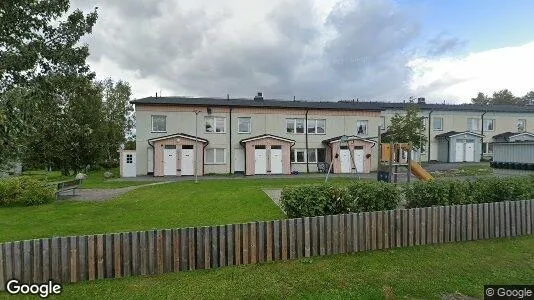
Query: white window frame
[[152, 123], [295, 121], [314, 122], [485, 126], [470, 123], [294, 160], [239, 124], [366, 122], [213, 123], [441, 123], [524, 121], [129, 158], [485, 148], [215, 162]]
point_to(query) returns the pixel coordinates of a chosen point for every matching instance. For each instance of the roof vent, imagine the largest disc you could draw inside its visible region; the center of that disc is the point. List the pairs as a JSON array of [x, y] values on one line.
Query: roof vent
[[259, 97], [421, 100]]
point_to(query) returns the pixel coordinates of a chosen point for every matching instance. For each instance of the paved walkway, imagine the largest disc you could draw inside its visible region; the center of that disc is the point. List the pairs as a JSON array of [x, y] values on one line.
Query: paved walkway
[[99, 195]]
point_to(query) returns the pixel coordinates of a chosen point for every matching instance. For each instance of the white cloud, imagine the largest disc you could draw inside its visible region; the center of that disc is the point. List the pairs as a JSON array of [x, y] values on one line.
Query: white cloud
[[458, 79]]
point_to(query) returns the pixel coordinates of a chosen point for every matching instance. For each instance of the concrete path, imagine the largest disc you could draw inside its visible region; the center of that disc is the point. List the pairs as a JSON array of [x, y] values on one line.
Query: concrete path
[[99, 195], [276, 196]]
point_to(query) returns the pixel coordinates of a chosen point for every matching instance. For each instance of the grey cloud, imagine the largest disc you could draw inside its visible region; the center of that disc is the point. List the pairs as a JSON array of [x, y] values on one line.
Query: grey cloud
[[442, 44]]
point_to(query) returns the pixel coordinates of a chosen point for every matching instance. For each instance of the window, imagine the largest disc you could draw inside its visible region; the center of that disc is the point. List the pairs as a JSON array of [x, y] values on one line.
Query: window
[[521, 125], [383, 122], [215, 124], [298, 156], [489, 125], [243, 125], [216, 156], [159, 123], [316, 126], [361, 127], [487, 148], [294, 125], [472, 124], [437, 124], [129, 158]]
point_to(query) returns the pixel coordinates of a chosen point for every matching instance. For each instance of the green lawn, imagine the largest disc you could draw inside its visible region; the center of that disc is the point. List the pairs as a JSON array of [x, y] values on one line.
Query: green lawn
[[424, 272], [470, 169], [171, 205], [95, 179]]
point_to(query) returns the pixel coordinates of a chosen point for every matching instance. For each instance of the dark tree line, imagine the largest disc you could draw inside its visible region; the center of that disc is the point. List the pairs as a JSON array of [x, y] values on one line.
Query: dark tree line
[[504, 97]]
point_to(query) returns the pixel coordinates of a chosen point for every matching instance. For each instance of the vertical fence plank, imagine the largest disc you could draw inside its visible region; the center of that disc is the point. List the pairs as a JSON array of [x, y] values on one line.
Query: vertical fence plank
[[45, 260], [277, 240], [386, 232], [380, 230], [237, 244], [463, 223], [245, 243], [480, 221], [73, 257], [108, 258], [452, 227], [307, 237], [159, 259], [322, 236], [82, 258], [167, 250], [508, 215], [27, 261], [423, 226], [215, 246], [335, 233], [441, 225], [136, 258], [231, 245], [398, 228], [328, 231], [404, 218], [117, 255], [261, 240], [64, 244], [367, 225], [8, 261], [486, 221], [199, 264], [17, 260], [269, 241], [475, 222], [184, 249], [253, 243], [206, 232], [348, 234], [91, 264], [437, 230], [354, 227], [36, 261], [126, 254], [528, 210], [191, 248], [502, 220], [446, 224], [342, 231], [469, 217], [2, 269], [523, 215], [459, 222], [299, 242], [55, 259], [292, 239], [373, 230], [143, 252], [417, 226], [100, 266], [176, 255], [223, 246]]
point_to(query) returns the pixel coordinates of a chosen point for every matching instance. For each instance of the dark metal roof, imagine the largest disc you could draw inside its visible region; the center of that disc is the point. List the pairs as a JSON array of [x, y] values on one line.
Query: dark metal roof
[[453, 133], [348, 105]]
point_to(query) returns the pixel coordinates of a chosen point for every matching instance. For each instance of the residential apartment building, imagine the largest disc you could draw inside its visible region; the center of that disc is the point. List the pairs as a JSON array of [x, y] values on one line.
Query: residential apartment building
[[260, 136]]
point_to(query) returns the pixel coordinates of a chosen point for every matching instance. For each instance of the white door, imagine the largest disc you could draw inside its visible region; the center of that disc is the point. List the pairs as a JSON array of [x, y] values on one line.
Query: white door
[[460, 151], [188, 162], [169, 162], [239, 160], [470, 151], [276, 161], [260, 161], [128, 165], [358, 160], [344, 158]]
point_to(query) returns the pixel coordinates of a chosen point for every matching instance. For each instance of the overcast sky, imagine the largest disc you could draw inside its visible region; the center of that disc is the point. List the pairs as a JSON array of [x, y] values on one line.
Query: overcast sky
[[315, 49]]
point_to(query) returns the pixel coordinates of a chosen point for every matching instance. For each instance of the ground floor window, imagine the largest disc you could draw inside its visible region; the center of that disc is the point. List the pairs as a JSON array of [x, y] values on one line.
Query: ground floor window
[[216, 156], [313, 155], [298, 155], [487, 148]]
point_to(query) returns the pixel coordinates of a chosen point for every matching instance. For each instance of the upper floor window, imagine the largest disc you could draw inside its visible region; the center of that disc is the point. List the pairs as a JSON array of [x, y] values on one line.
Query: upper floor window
[[489, 125], [316, 126], [437, 124], [294, 125], [159, 123], [472, 124], [362, 127], [521, 125], [244, 125], [215, 124]]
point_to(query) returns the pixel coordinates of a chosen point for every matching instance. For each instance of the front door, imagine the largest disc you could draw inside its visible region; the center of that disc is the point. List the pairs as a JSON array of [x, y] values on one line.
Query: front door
[[128, 166], [460, 151], [276, 161], [169, 162], [470, 151], [239, 160], [344, 159], [188, 162], [358, 160], [260, 161]]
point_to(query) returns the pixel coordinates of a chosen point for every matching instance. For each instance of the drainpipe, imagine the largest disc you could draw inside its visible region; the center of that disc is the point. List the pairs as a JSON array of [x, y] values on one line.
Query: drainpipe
[[306, 132], [153, 158], [482, 138], [429, 126], [230, 148]]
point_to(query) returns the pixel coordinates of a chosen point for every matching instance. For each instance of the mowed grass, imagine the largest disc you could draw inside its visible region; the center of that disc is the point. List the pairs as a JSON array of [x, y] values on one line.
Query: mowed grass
[[423, 272], [170, 205], [94, 180]]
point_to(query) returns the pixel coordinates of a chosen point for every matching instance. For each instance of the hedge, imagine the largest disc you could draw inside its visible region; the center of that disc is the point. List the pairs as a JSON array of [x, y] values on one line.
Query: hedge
[[363, 196], [25, 191]]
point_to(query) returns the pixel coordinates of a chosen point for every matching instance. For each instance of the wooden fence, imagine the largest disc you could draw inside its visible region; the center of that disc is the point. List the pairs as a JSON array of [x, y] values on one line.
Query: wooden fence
[[91, 257]]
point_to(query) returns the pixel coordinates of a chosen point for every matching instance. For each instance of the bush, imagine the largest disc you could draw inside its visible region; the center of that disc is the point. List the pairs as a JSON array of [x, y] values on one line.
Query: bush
[[313, 200], [25, 191], [496, 189], [424, 194], [373, 196]]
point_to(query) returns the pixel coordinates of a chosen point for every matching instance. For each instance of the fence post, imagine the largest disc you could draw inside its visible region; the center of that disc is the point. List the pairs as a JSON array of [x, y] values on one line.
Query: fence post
[[2, 271]]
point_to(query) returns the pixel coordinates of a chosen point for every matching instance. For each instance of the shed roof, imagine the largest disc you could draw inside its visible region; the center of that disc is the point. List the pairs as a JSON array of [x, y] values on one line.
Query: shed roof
[[456, 133]]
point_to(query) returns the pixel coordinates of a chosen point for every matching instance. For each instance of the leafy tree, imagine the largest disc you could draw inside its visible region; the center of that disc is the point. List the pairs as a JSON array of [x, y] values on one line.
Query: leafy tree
[[407, 128], [528, 99], [504, 97], [481, 99]]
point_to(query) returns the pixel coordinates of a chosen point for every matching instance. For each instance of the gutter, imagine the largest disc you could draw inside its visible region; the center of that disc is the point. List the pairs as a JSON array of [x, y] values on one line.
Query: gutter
[[230, 146], [153, 157], [306, 131], [429, 126]]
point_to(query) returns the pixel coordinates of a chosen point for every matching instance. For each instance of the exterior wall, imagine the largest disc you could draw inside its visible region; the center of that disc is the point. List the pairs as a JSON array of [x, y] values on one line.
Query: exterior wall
[[351, 144], [181, 119], [159, 147], [514, 152], [267, 142], [457, 121]]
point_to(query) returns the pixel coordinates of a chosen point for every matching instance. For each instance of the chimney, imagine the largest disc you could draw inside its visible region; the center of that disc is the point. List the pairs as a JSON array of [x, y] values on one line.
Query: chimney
[[421, 100], [259, 97]]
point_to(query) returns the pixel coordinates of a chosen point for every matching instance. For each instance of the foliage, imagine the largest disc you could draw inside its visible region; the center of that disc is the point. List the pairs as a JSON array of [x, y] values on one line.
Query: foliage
[[504, 97], [373, 196], [25, 191], [407, 128]]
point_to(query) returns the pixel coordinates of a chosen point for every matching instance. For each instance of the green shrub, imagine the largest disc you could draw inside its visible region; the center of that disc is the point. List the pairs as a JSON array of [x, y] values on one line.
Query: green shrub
[[25, 191], [314, 200], [373, 196], [425, 194], [496, 189]]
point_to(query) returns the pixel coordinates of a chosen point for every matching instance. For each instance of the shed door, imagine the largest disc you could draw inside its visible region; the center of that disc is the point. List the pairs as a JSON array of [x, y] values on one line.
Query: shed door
[[239, 160], [188, 162], [276, 161], [460, 151], [128, 165], [358, 160], [344, 158], [169, 162], [260, 161], [470, 150]]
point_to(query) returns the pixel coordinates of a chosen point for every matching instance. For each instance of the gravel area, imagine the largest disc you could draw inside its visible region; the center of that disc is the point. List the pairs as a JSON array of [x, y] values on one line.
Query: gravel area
[[98, 195], [275, 195]]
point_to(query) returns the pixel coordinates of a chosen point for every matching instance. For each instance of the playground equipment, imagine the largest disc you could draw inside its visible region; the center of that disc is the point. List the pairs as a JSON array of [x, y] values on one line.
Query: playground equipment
[[344, 141], [393, 158]]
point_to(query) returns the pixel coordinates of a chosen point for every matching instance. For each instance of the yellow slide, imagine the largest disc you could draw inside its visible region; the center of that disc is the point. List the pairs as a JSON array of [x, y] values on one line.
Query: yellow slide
[[419, 172]]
